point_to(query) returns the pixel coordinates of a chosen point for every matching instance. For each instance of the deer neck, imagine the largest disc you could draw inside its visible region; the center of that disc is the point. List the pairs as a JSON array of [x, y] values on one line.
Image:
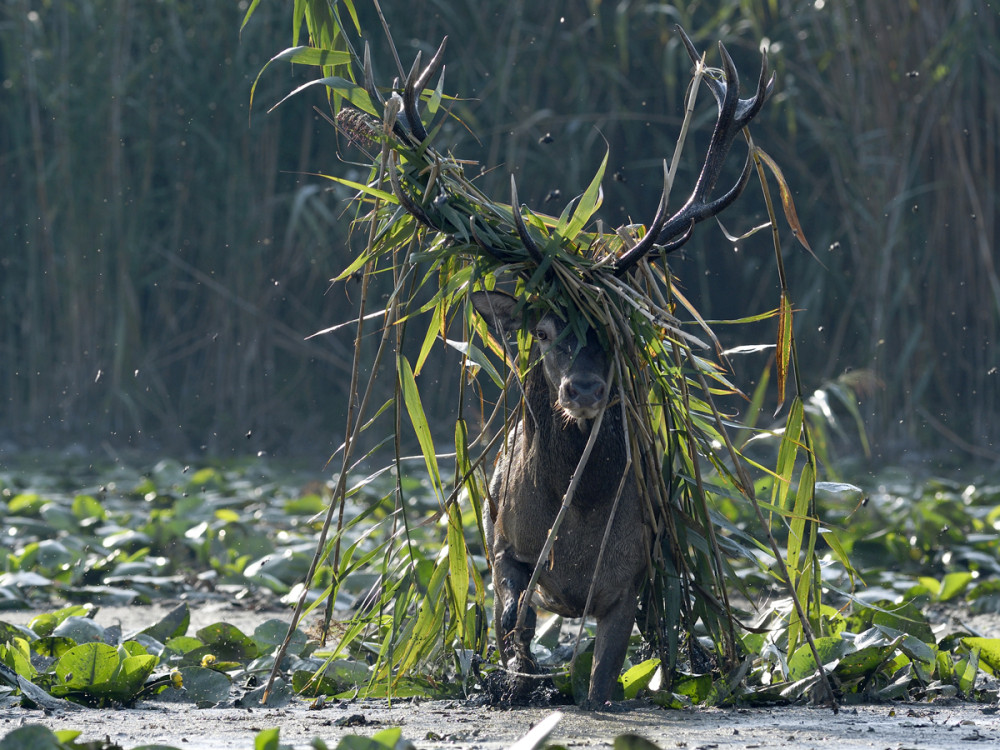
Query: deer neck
[[555, 444]]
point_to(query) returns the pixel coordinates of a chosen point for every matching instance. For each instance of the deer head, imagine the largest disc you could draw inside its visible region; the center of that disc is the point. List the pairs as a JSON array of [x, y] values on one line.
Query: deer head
[[576, 370]]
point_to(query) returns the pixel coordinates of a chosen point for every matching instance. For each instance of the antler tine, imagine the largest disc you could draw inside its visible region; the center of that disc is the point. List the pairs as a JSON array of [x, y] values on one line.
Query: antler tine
[[688, 44], [522, 230], [415, 82], [749, 108], [726, 126], [746, 109], [432, 66], [410, 101], [734, 115], [714, 208]]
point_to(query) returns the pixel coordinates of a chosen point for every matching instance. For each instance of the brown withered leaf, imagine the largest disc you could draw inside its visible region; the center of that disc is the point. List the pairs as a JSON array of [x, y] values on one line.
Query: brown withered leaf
[[787, 204]]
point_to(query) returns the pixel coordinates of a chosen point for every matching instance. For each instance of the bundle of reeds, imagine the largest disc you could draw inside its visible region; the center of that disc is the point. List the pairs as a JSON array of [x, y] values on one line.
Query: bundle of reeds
[[440, 238]]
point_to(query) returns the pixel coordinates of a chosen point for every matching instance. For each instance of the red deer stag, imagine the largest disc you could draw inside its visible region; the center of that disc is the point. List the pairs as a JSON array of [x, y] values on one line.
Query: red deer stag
[[563, 395]]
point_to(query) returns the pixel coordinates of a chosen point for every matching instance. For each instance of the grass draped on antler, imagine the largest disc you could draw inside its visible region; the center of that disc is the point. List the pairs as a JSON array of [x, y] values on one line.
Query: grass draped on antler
[[428, 224]]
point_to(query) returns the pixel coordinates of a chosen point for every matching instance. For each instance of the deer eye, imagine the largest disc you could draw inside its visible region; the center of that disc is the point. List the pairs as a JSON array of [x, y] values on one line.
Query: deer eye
[[541, 335]]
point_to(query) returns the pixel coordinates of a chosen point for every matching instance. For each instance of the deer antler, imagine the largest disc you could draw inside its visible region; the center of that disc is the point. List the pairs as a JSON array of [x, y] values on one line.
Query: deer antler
[[415, 83], [734, 115], [665, 234]]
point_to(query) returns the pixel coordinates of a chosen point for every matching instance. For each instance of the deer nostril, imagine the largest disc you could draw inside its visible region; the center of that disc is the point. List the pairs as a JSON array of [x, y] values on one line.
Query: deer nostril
[[583, 391]]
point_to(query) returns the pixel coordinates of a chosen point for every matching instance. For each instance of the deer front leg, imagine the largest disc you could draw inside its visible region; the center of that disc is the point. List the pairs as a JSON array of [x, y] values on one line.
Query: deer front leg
[[610, 645], [510, 582]]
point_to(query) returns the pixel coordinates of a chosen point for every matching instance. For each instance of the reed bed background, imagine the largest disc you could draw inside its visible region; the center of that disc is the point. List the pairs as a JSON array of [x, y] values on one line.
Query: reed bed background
[[166, 252]]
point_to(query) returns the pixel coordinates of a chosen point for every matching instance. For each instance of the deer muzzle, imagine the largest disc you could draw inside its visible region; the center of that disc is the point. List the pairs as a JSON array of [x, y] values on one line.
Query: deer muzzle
[[582, 398]]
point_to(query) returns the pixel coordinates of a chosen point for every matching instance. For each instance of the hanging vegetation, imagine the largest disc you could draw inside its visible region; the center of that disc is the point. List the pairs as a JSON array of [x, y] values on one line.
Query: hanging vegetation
[[440, 238]]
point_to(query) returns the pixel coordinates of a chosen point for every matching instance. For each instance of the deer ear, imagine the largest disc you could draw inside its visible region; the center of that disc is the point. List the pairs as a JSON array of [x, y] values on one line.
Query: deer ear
[[499, 310]]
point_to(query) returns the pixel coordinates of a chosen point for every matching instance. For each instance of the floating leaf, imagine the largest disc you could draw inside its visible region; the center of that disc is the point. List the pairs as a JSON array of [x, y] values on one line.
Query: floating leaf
[[32, 737], [267, 739], [228, 642], [989, 651], [86, 666], [904, 618], [638, 677], [172, 625], [131, 676], [387, 739], [954, 584], [803, 663], [205, 686], [966, 671], [697, 687]]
